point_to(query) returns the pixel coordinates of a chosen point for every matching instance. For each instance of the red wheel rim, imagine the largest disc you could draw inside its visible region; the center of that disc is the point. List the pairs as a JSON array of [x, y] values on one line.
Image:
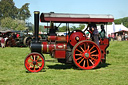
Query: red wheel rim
[[86, 54], [34, 62]]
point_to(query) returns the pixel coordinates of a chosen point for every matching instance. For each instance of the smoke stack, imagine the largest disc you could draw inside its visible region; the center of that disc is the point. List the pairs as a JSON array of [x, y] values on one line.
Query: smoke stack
[[36, 24]]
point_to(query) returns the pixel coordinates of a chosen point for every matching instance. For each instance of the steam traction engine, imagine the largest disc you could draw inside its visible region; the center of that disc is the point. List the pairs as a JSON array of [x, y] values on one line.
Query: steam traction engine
[[74, 48]]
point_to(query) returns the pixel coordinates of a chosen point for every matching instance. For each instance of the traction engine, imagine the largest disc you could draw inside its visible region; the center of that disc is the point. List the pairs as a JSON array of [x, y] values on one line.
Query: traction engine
[[74, 48]]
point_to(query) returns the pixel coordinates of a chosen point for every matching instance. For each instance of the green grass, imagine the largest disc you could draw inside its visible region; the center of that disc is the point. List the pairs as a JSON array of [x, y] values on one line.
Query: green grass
[[114, 72]]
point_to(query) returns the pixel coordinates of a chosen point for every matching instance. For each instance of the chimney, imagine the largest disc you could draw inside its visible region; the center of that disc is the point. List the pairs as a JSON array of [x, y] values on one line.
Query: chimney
[[36, 24]]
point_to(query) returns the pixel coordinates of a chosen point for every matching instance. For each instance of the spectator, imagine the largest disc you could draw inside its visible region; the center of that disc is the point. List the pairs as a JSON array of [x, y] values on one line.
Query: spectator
[[17, 35], [123, 36], [2, 42], [87, 35], [109, 37], [14, 35]]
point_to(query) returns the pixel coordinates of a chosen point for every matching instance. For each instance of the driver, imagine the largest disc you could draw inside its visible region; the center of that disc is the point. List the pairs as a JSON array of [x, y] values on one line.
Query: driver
[[53, 29], [94, 32]]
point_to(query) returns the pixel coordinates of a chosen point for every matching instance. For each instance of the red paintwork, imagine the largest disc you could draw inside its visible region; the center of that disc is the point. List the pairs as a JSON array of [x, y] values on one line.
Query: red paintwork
[[61, 46], [60, 50], [52, 38], [103, 46], [67, 39], [44, 47], [60, 54], [61, 39], [75, 20]]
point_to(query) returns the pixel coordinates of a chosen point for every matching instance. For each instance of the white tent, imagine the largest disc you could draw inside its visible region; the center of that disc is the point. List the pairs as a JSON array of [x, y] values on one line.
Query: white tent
[[115, 28]]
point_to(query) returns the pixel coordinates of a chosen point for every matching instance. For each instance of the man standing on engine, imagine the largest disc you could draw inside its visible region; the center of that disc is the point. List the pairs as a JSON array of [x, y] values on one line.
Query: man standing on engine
[[95, 33]]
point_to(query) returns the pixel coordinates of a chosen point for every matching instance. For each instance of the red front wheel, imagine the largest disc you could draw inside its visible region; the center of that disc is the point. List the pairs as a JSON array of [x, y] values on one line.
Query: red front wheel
[[86, 55], [34, 62]]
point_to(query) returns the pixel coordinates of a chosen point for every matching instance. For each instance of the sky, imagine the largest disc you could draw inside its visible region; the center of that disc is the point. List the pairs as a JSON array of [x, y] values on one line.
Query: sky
[[117, 8]]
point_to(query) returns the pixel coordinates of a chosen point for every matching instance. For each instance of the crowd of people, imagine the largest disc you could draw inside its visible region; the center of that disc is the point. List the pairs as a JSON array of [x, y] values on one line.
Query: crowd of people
[[119, 36]]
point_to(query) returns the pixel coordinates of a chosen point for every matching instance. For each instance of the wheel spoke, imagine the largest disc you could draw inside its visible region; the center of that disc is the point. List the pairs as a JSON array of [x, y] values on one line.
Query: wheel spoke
[[78, 54], [91, 61], [79, 51], [84, 64], [93, 58], [81, 60], [38, 65], [30, 58], [30, 63], [39, 61], [81, 48], [93, 51], [30, 67], [92, 48], [94, 55], [38, 58], [78, 58], [34, 57], [88, 47]]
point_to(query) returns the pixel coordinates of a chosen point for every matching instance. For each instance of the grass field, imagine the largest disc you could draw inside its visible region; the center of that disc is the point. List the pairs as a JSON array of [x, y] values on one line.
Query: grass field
[[114, 72]]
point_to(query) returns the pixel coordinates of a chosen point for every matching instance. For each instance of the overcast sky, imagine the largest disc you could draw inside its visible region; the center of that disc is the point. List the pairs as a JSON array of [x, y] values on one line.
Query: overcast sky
[[118, 8]]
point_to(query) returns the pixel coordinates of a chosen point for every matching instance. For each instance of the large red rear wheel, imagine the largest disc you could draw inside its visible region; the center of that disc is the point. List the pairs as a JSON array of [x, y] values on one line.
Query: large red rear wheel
[[86, 55], [34, 62]]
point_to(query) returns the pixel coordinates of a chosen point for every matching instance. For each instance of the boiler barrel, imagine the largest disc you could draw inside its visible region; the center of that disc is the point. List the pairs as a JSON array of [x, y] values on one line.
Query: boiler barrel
[[48, 48]]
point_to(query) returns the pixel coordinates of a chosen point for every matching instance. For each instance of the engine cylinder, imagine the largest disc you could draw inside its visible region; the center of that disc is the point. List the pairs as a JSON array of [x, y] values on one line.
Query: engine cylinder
[[57, 38]]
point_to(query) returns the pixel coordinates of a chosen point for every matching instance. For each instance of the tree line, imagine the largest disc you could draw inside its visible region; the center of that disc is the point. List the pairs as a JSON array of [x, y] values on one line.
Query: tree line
[[122, 20], [12, 17]]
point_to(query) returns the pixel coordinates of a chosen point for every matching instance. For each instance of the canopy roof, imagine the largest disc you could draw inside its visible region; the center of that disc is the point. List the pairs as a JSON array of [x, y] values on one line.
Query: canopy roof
[[75, 18]]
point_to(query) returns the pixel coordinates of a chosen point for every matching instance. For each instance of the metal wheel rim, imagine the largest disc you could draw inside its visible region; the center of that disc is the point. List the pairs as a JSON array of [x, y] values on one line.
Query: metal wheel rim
[[34, 62], [86, 48]]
